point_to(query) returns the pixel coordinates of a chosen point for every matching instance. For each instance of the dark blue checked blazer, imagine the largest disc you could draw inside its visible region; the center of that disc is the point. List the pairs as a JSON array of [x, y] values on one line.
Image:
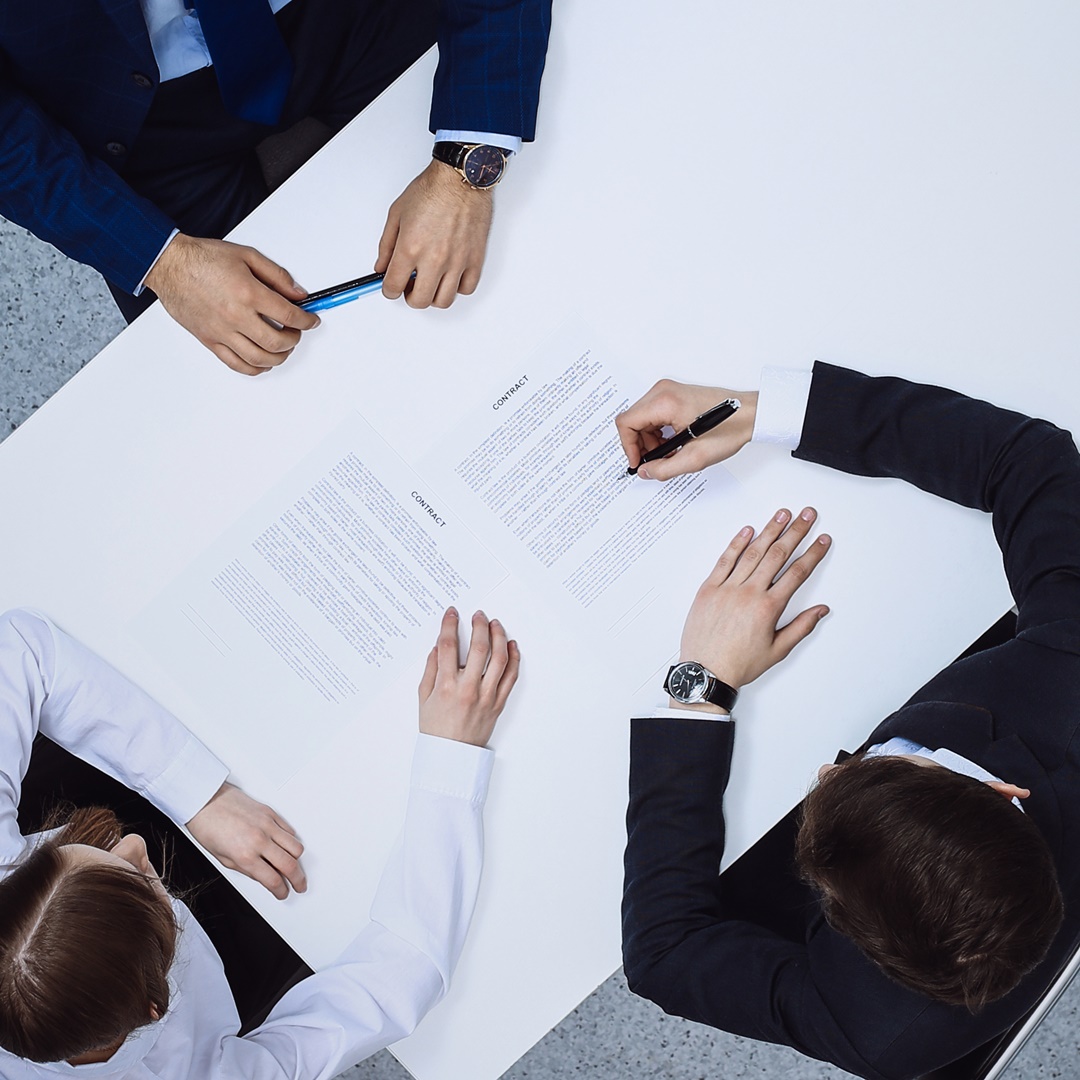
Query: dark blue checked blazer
[[77, 78]]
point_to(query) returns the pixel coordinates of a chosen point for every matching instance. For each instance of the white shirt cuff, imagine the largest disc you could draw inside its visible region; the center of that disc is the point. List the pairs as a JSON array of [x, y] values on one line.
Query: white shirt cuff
[[488, 138], [449, 767], [781, 406], [142, 284], [189, 783], [687, 714]]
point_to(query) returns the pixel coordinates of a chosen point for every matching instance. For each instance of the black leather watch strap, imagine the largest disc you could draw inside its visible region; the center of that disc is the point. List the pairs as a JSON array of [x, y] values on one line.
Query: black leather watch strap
[[721, 695], [450, 153]]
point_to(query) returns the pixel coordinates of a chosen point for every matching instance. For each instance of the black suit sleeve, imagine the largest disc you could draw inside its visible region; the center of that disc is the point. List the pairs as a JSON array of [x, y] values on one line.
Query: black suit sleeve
[[681, 948], [1025, 472]]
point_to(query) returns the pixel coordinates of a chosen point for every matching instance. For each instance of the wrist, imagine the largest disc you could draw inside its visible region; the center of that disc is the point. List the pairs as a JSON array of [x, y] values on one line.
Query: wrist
[[747, 415], [701, 706], [173, 251]]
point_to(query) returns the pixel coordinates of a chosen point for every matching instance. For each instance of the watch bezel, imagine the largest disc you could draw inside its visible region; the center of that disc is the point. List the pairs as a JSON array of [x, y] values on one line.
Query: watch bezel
[[463, 166], [700, 694]]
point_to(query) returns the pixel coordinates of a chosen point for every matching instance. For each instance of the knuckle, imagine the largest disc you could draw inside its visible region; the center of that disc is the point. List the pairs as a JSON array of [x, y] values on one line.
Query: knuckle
[[799, 571]]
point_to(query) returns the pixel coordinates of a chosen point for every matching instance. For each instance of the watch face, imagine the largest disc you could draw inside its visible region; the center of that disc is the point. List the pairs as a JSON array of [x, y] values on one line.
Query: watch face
[[687, 682], [483, 166]]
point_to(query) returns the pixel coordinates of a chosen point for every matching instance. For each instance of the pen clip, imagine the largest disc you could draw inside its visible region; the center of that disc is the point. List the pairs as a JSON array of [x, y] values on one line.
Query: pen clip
[[728, 403]]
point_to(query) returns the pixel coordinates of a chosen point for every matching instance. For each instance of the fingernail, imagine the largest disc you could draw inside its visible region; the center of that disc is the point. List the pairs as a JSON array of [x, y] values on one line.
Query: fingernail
[[643, 470], [781, 517], [807, 514], [746, 531], [318, 322], [296, 285], [452, 612], [825, 540], [495, 622], [478, 614], [822, 613]]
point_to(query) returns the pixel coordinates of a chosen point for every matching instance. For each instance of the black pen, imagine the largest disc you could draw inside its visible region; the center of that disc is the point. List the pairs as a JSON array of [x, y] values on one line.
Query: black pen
[[694, 430], [341, 294]]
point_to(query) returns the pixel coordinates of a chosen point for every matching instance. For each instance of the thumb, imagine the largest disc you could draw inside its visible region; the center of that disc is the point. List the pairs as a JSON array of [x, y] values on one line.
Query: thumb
[[800, 627], [691, 458], [275, 277]]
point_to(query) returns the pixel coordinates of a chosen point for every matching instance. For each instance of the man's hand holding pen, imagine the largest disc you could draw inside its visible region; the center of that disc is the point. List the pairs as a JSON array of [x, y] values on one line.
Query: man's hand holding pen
[[675, 405]]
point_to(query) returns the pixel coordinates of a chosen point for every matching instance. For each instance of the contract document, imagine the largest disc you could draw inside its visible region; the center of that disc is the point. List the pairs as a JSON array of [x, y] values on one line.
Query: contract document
[[334, 582]]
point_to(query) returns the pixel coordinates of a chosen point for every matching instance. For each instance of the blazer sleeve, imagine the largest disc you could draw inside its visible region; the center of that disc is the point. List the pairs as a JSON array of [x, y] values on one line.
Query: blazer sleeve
[[1025, 472], [491, 59], [681, 948], [49, 185]]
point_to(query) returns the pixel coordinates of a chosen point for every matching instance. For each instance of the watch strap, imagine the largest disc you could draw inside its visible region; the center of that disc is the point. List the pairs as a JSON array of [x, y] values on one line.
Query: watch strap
[[451, 153], [720, 694]]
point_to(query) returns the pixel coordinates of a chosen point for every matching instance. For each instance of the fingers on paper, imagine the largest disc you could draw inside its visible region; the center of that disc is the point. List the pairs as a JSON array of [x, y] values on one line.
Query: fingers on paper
[[509, 675], [447, 645], [479, 647]]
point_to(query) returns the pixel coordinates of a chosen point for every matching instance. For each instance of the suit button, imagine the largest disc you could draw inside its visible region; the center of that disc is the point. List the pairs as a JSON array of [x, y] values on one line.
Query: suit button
[[116, 148], [139, 79]]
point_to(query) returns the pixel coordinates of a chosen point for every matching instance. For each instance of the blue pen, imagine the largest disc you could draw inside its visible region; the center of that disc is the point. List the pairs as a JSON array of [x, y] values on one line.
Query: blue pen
[[341, 294]]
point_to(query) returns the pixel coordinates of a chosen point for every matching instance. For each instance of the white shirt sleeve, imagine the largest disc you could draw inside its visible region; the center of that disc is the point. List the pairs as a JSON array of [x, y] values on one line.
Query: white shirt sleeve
[[485, 138], [781, 408], [142, 284], [399, 965], [52, 684], [687, 714]]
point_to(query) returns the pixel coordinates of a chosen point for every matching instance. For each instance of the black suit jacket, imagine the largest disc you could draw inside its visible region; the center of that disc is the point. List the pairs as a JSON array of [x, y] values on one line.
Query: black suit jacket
[[755, 956]]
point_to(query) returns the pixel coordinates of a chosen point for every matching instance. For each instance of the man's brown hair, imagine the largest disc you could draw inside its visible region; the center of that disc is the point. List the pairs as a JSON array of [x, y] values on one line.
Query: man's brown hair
[[938, 879], [85, 949]]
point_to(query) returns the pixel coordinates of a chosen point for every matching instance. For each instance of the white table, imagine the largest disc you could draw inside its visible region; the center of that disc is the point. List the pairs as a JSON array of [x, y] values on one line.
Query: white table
[[715, 187]]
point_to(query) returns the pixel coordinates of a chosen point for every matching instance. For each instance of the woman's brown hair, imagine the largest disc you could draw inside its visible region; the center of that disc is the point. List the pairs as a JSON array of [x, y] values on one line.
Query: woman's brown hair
[[936, 877], [85, 949]]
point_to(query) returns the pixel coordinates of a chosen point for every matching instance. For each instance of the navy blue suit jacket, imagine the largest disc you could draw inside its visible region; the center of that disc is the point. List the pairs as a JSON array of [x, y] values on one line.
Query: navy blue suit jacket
[[722, 956], [77, 78]]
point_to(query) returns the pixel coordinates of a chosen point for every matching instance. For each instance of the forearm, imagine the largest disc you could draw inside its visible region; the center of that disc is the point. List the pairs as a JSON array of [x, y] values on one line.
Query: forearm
[[78, 204], [1025, 472], [54, 684], [675, 836], [400, 964]]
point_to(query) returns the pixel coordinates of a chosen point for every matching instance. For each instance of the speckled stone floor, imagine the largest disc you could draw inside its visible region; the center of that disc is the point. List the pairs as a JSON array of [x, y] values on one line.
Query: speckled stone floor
[[54, 317]]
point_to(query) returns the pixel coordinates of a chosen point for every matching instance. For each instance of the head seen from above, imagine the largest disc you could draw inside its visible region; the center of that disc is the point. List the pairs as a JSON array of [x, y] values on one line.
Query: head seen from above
[[87, 937], [944, 885]]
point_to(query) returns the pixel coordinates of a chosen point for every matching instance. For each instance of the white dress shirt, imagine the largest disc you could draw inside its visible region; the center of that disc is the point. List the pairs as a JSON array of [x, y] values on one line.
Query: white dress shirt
[[373, 994]]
